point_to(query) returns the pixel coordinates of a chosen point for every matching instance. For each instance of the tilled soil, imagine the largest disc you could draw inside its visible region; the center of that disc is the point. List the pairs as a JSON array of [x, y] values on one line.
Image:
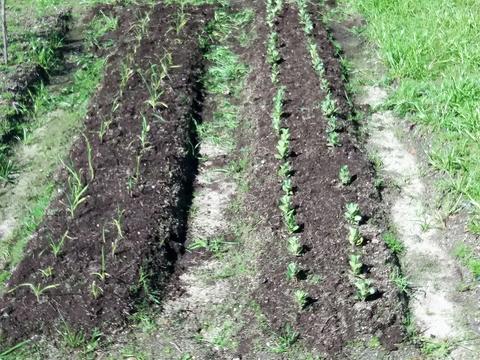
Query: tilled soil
[[334, 316], [151, 212]]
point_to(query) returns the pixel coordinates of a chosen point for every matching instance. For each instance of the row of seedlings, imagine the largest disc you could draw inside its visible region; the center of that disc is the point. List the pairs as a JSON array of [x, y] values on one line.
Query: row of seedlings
[[329, 109], [329, 105], [285, 170]]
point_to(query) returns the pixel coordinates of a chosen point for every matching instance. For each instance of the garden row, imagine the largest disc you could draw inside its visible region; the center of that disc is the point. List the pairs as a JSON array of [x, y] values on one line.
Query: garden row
[[116, 228], [327, 280]]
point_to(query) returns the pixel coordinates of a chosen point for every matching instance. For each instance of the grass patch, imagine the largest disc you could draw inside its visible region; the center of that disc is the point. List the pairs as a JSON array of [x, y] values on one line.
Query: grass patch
[[431, 51], [466, 255]]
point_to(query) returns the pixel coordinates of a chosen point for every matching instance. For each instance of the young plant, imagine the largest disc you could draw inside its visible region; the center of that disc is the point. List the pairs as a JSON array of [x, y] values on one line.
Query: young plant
[[36, 289], [102, 274], [283, 144], [287, 338], [344, 175], [352, 213], [355, 264], [294, 246], [364, 288], [290, 220], [76, 190], [333, 139], [89, 157], [287, 186], [143, 137], [329, 106], [58, 246], [301, 298], [292, 271], [285, 170], [273, 55], [317, 62], [104, 126], [181, 19], [278, 109], [95, 290], [286, 203], [354, 236], [117, 223], [47, 272]]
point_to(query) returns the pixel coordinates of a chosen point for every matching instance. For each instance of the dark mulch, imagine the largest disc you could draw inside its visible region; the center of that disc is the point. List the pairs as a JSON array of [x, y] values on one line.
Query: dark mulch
[[153, 212], [334, 316]]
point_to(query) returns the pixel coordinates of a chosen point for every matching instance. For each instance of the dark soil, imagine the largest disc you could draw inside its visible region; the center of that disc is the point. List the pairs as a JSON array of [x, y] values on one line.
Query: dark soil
[[153, 210], [334, 316]]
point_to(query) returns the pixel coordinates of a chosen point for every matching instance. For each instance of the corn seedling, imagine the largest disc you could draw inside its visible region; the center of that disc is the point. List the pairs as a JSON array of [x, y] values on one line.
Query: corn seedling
[[181, 20], [329, 106], [286, 203], [47, 272], [292, 271], [89, 157], [355, 264], [273, 55], [364, 288], [117, 223], [301, 298], [352, 213], [290, 220], [333, 139], [287, 186], [285, 170], [95, 290], [278, 109], [77, 190], [344, 175], [104, 126], [283, 144], [36, 289], [138, 162], [294, 246], [102, 274], [354, 236], [155, 83], [144, 133], [126, 72], [58, 246]]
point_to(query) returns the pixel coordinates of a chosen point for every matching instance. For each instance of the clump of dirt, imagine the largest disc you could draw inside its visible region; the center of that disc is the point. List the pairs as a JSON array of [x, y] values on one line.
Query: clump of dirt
[[122, 242], [335, 317]]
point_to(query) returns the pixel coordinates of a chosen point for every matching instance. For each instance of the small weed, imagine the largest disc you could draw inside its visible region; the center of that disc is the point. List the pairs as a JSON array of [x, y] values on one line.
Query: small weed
[[393, 243], [72, 339], [400, 281], [286, 340]]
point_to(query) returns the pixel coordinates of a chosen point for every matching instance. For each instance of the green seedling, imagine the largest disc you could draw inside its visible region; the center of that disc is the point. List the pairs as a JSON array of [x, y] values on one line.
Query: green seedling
[[364, 288], [355, 264], [7, 170], [286, 203], [344, 175], [58, 246], [317, 62], [47, 272], [144, 134], [287, 186], [278, 109], [354, 236], [37, 290], [95, 290], [400, 281], [352, 213], [104, 126], [102, 274], [329, 106], [305, 18], [77, 190], [290, 220], [294, 246], [286, 340], [117, 223], [333, 139], [275, 73], [301, 298], [138, 162], [89, 157], [283, 144], [181, 19], [274, 7], [292, 271], [273, 55], [285, 170]]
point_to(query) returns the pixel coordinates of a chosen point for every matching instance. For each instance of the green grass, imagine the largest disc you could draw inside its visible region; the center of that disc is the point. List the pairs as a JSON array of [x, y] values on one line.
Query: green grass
[[466, 255], [431, 48]]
